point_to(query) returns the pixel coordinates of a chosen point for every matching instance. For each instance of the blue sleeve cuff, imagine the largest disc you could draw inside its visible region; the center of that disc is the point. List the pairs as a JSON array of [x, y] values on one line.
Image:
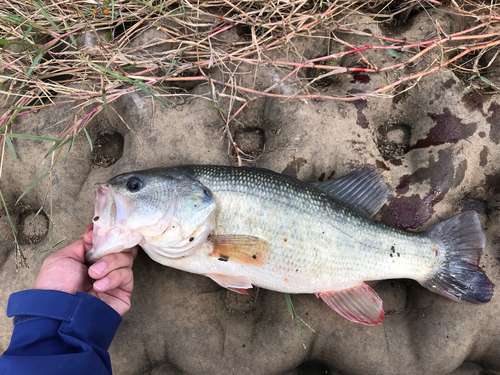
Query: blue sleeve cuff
[[49, 304], [57, 333], [78, 313]]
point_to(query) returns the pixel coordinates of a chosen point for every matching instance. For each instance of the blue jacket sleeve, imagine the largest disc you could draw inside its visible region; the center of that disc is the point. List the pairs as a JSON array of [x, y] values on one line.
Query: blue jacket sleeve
[[59, 333]]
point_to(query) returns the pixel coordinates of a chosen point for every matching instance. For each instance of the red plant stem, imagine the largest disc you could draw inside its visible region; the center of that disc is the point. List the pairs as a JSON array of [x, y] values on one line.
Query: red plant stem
[[465, 12], [238, 111], [368, 34], [99, 107], [413, 44], [61, 36], [70, 121], [217, 32], [21, 102], [356, 50], [348, 99], [378, 91], [262, 93], [2, 119]]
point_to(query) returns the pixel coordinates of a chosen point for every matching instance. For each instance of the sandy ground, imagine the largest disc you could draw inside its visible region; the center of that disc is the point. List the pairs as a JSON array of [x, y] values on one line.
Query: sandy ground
[[436, 146]]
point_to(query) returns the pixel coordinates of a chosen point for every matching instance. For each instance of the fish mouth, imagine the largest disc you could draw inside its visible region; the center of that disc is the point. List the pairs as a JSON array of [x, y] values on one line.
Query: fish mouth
[[113, 241], [101, 194], [111, 211]]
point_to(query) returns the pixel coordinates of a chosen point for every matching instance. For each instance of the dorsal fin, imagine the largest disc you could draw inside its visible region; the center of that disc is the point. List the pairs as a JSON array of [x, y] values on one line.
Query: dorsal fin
[[362, 189]]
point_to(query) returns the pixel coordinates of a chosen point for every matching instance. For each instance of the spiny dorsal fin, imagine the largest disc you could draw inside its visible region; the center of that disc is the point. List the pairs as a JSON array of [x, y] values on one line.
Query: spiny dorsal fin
[[247, 250], [362, 189], [360, 304]]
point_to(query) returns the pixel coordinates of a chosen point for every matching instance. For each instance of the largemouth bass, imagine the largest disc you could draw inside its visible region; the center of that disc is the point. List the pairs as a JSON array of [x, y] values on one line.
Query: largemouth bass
[[245, 226]]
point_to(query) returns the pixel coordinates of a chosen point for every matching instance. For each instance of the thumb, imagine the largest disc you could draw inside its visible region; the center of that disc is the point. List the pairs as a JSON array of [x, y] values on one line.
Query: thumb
[[75, 251]]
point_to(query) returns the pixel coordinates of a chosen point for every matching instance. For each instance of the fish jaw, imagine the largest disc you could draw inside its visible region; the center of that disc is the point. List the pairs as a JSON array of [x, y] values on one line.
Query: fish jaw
[[111, 209], [110, 242], [110, 234], [176, 242]]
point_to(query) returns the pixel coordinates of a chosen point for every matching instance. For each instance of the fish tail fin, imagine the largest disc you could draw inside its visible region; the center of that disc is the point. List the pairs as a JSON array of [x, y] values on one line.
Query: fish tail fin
[[460, 242]]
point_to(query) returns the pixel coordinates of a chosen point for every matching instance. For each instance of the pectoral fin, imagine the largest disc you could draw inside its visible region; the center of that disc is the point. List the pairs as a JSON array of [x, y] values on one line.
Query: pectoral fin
[[247, 250], [359, 304], [238, 284]]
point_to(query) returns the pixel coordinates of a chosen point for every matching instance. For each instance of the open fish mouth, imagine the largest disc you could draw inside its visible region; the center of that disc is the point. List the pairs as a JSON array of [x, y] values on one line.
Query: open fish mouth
[[111, 211]]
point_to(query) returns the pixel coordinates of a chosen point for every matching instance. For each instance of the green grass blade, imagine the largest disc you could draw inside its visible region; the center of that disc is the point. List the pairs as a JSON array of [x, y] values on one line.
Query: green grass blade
[[88, 139], [53, 148], [12, 226], [14, 230], [146, 90], [69, 149], [148, 5], [11, 148], [33, 137], [5, 43], [486, 80], [89, 9], [396, 53], [60, 142], [126, 79], [34, 64], [170, 69], [110, 72], [32, 186], [24, 107], [27, 32], [64, 119], [11, 119], [105, 101], [12, 18], [45, 14], [289, 304], [295, 316], [50, 248]]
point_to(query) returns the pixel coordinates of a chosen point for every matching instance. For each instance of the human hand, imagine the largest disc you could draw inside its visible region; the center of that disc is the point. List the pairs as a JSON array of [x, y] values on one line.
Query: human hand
[[66, 271]]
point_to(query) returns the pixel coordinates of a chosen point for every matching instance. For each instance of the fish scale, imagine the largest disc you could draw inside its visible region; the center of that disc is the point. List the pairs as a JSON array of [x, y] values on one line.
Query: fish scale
[[319, 232], [244, 226]]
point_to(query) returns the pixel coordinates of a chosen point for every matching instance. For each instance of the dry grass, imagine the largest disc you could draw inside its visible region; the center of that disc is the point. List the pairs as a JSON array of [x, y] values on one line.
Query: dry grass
[[87, 52], [84, 51]]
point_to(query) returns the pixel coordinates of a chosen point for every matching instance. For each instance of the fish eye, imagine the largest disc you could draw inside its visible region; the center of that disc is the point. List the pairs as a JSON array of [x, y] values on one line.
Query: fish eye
[[134, 184]]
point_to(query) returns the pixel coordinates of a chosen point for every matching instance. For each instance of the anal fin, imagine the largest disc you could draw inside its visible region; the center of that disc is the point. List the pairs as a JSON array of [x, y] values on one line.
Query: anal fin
[[359, 304], [238, 284]]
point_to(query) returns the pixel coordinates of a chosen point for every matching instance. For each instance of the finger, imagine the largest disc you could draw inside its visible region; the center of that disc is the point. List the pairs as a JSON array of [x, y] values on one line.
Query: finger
[[118, 299], [75, 251], [109, 263], [122, 278], [88, 235], [133, 250]]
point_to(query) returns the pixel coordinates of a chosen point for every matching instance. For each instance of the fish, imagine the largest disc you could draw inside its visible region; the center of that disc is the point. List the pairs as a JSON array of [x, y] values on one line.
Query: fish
[[247, 226]]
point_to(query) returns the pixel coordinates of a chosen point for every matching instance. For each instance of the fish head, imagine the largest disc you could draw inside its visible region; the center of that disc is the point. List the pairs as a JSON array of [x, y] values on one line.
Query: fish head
[[161, 210]]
